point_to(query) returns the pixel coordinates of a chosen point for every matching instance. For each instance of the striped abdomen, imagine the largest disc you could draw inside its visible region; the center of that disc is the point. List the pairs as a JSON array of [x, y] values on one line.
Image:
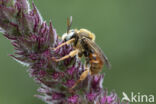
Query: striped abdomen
[[96, 63]]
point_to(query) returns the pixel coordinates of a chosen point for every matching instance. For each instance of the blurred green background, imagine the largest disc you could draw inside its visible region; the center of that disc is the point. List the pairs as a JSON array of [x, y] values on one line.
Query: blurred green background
[[125, 30]]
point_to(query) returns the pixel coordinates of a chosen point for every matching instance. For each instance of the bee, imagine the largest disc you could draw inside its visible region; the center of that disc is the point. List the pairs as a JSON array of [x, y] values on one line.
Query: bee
[[83, 43]]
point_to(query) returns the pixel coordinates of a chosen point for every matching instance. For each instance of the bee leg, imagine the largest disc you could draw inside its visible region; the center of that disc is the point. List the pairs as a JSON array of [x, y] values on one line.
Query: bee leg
[[71, 54], [82, 77], [67, 42]]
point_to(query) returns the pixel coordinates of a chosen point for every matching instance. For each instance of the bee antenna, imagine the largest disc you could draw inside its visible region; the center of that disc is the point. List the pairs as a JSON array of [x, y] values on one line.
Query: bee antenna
[[69, 23]]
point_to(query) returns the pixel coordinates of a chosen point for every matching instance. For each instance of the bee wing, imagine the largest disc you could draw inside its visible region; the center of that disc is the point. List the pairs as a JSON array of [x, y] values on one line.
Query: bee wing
[[98, 51]]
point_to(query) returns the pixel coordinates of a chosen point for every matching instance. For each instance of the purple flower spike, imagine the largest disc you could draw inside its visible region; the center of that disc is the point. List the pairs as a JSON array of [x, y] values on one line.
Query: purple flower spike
[[55, 75], [73, 99], [91, 97], [71, 70], [70, 83], [57, 96], [97, 82], [33, 41]]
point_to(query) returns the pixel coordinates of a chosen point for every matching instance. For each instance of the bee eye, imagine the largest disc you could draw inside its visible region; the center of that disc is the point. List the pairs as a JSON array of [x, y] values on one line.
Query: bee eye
[[74, 35], [65, 39]]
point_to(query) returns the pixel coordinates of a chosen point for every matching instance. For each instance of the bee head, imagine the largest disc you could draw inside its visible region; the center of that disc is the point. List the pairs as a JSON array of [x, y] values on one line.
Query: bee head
[[68, 36]]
